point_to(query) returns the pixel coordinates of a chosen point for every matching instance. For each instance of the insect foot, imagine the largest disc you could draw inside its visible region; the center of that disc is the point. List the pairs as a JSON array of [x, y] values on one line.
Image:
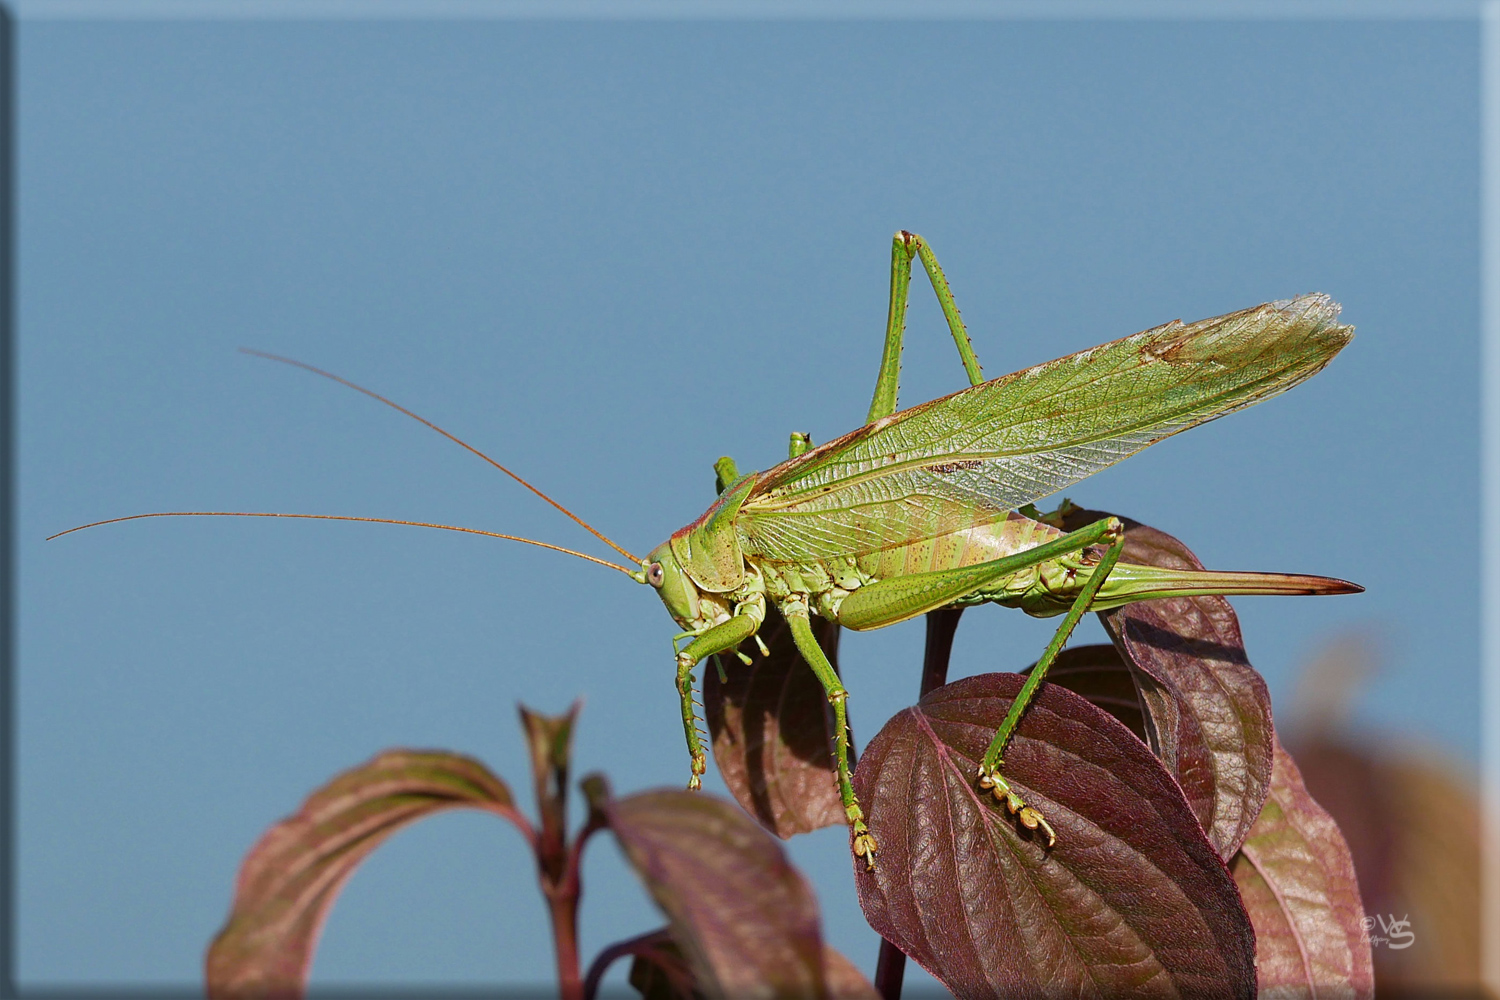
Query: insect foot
[[1030, 817], [699, 760], [700, 765], [864, 841]]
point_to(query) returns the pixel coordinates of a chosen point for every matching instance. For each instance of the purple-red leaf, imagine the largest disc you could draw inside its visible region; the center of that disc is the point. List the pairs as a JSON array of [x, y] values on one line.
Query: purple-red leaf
[[744, 917], [659, 972], [845, 981], [289, 879], [1131, 901], [772, 737], [1412, 823], [549, 742], [1208, 714], [1297, 880]]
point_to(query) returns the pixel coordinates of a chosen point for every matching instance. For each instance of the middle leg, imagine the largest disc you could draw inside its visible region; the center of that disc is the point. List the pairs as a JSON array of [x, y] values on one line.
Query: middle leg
[[794, 610]]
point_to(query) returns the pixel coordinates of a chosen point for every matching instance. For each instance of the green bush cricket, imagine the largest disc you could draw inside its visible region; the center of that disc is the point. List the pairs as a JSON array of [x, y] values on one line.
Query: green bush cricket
[[931, 507]]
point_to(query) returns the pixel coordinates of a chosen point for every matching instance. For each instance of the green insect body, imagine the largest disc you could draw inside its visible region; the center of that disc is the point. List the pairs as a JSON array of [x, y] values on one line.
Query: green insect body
[[921, 509], [931, 507], [1042, 589]]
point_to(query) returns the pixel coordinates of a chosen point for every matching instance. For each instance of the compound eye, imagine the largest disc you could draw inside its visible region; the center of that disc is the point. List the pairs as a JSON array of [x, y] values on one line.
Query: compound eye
[[655, 576]]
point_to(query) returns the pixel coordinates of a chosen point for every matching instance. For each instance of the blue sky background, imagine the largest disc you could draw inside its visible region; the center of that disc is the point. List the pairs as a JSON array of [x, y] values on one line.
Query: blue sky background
[[608, 253]]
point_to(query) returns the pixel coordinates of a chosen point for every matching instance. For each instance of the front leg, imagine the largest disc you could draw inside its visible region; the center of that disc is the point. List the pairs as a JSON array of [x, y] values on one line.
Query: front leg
[[722, 637]]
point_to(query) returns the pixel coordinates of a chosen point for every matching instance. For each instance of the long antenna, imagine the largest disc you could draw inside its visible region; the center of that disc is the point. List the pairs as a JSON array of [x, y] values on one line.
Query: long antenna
[[341, 517], [464, 444]]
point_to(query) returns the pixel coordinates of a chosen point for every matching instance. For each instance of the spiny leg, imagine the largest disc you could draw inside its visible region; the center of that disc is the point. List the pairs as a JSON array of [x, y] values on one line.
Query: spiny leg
[[723, 636], [989, 767], [903, 247], [698, 759], [794, 611]]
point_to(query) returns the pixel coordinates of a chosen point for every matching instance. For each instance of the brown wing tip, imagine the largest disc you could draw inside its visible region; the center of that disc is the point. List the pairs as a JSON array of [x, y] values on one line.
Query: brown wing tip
[[1314, 314]]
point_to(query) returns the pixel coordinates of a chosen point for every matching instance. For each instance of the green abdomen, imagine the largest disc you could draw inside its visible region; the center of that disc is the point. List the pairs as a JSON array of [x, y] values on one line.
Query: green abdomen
[[828, 581], [966, 547]]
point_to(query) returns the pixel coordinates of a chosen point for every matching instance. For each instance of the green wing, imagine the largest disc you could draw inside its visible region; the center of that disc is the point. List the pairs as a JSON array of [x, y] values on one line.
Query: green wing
[[969, 458]]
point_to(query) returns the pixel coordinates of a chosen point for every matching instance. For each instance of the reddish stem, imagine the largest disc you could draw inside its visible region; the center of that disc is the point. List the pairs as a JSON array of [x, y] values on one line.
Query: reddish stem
[[890, 967], [941, 625], [562, 906]]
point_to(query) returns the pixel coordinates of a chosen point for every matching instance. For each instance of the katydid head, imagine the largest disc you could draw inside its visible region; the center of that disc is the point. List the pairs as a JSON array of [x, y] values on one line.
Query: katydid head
[[697, 569], [673, 585], [692, 604]]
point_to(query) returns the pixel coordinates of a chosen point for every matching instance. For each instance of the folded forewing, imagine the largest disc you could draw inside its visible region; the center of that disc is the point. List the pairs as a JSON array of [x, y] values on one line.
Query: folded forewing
[[968, 458]]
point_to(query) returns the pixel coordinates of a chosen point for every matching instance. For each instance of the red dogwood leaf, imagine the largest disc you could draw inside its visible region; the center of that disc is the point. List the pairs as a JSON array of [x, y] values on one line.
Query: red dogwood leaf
[[1208, 713], [744, 917], [1296, 877], [659, 972], [1132, 900], [290, 878], [772, 736]]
